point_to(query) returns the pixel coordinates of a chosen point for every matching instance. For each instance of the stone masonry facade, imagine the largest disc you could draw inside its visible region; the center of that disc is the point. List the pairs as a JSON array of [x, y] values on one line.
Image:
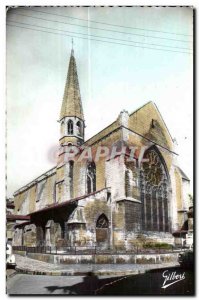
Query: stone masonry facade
[[112, 201]]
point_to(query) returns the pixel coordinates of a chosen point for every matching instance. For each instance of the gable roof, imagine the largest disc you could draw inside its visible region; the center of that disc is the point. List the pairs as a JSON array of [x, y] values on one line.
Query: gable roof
[[156, 108]]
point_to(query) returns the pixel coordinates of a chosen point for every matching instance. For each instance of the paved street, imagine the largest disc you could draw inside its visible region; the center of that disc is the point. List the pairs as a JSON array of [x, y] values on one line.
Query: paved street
[[165, 281], [149, 283], [39, 284], [129, 279]]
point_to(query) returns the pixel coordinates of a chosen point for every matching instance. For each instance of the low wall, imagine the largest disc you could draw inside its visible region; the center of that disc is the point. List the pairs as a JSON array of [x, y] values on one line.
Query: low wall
[[103, 259], [22, 253]]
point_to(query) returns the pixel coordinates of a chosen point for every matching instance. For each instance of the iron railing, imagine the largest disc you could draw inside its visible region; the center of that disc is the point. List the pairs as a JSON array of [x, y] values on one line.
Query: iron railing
[[93, 250]]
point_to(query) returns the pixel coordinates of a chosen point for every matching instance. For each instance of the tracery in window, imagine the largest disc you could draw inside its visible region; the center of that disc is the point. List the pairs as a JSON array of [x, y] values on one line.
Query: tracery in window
[[154, 186]]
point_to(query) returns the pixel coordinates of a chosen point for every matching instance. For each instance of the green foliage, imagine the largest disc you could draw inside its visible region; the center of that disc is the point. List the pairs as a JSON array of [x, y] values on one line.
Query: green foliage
[[157, 245]]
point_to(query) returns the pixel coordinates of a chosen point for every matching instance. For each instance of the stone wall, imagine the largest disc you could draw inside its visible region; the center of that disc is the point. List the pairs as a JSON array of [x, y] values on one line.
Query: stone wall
[[40, 238], [10, 230], [102, 133], [120, 204], [132, 216], [140, 121], [106, 259], [173, 213], [35, 197], [179, 199], [18, 237], [45, 192], [115, 177], [52, 233], [93, 207], [29, 236]]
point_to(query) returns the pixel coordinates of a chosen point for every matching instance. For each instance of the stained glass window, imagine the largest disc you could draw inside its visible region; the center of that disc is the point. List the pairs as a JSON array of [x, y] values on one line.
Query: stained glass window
[[154, 192]]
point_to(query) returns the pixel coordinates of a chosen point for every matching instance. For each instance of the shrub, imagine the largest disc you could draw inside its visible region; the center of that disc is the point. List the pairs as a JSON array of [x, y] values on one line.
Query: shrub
[[157, 245]]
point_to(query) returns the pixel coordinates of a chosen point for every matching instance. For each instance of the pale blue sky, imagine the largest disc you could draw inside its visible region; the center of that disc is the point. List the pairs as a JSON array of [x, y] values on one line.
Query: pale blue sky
[[112, 78]]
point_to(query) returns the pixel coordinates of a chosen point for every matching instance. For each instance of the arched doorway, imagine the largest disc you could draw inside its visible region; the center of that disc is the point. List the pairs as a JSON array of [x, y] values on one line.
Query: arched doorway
[[154, 185], [102, 231]]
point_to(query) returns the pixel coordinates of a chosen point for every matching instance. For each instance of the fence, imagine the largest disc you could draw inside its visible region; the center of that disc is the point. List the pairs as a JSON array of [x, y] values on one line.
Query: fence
[[93, 250]]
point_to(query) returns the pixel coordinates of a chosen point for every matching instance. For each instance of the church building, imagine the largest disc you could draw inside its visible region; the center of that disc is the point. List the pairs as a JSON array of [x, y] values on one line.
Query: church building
[[120, 185]]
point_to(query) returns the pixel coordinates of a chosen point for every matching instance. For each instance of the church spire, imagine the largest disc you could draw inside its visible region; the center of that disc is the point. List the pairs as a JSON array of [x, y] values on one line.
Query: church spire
[[71, 116], [71, 104]]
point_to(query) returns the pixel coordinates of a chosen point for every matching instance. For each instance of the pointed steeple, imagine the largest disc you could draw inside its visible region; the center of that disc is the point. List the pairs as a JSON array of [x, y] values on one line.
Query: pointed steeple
[[72, 123], [71, 104]]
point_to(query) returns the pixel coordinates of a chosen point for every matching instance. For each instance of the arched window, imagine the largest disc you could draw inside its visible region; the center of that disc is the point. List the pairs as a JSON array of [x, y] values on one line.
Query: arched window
[[102, 232], [70, 127], [154, 186], [91, 177], [79, 128], [102, 221]]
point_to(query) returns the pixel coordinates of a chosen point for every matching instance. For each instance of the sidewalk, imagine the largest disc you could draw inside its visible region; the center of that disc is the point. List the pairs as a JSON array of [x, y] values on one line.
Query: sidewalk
[[31, 266]]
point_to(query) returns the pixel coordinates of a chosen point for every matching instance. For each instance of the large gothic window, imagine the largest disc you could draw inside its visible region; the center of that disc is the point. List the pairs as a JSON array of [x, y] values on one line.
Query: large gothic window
[[91, 177], [70, 127], [154, 186]]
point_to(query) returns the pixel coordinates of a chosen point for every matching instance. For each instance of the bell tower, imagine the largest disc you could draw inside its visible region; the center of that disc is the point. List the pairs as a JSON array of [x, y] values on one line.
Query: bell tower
[[71, 115]]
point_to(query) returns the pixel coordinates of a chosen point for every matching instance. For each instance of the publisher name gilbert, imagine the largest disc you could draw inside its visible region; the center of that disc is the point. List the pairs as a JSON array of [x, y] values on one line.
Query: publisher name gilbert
[[172, 277]]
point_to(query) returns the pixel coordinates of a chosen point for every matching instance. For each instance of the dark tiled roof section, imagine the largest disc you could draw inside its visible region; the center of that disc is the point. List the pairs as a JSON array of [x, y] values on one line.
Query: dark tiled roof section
[[65, 203], [17, 217]]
